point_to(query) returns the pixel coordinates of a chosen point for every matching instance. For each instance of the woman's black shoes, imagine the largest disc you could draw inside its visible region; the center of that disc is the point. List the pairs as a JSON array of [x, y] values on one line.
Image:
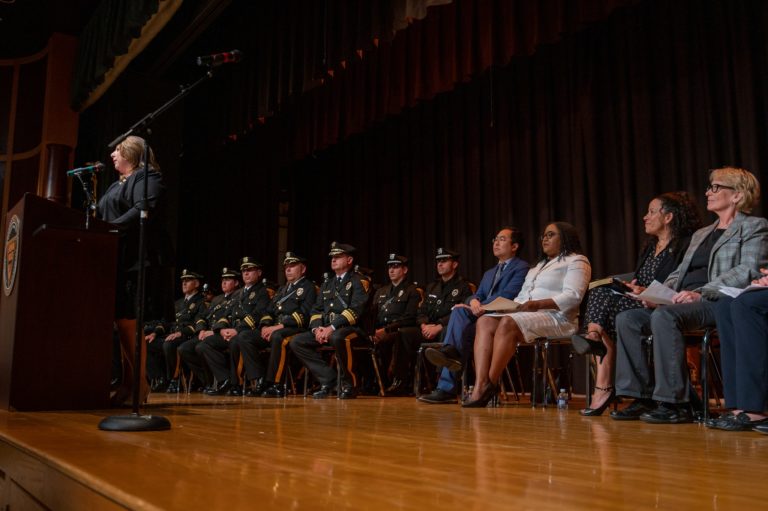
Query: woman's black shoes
[[582, 345], [488, 393], [594, 412]]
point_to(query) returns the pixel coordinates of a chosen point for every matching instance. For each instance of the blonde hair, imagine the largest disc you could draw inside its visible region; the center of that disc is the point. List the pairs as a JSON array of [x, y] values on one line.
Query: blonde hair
[[742, 181], [132, 149]]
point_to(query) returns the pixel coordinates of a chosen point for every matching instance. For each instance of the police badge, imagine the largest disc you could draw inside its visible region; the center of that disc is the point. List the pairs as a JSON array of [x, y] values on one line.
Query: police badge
[[400, 293], [348, 286], [454, 293], [252, 295], [300, 291]]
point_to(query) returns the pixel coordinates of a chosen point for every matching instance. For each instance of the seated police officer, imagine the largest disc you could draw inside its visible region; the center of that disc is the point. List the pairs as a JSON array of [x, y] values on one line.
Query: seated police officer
[[287, 315], [335, 316], [164, 341], [222, 350], [441, 295], [395, 305], [209, 321]]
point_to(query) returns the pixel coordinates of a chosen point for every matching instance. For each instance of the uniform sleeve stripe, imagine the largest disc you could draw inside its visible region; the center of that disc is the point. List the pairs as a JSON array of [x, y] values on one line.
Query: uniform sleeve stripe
[[350, 316]]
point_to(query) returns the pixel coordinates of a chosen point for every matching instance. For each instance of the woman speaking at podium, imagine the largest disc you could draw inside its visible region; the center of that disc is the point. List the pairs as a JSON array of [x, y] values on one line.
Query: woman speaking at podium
[[120, 206]]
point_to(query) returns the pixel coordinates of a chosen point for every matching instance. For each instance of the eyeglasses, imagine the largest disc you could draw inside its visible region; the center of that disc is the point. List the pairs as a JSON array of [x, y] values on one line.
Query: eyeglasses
[[500, 239], [548, 235], [714, 187]]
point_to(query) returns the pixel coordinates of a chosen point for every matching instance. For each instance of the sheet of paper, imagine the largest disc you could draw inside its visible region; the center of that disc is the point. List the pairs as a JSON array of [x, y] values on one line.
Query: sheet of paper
[[501, 304], [733, 292], [656, 293]]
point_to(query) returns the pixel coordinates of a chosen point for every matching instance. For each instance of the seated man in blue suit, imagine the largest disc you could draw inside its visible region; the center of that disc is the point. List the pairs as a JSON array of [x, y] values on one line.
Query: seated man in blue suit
[[505, 279]]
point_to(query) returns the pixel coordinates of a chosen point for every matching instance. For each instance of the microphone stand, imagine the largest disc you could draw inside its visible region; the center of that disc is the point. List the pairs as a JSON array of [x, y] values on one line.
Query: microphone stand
[[135, 421], [90, 201]]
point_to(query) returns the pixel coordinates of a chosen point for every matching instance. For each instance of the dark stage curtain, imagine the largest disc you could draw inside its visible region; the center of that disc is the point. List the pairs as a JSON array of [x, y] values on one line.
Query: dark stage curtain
[[587, 130], [331, 68]]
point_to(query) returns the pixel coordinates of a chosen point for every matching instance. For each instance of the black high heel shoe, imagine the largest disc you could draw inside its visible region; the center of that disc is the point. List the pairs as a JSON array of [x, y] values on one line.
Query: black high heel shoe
[[489, 391], [582, 345], [595, 412]]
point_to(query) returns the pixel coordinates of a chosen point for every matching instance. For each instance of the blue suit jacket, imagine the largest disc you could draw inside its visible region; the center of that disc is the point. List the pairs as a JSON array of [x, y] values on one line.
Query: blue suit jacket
[[508, 286]]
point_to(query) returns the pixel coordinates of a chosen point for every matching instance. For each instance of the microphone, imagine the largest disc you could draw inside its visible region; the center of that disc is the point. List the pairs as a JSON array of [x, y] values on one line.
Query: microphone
[[90, 169], [218, 59]]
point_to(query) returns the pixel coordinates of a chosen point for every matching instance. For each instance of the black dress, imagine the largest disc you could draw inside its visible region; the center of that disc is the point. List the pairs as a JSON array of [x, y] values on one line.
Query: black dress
[[603, 304], [119, 206]]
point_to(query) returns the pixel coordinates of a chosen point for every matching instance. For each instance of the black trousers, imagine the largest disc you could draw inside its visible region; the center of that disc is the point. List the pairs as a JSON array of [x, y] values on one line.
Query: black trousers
[[305, 347], [278, 353], [405, 353], [196, 363], [215, 351], [249, 345], [156, 359], [171, 349]]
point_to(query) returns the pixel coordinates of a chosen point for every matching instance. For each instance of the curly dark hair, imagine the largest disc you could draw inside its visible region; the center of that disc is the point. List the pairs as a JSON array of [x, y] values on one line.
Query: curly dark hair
[[570, 242], [686, 218]]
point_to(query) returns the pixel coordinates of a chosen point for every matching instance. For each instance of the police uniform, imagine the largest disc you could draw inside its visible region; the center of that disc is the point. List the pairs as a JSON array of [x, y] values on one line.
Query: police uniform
[[223, 356], [439, 299], [187, 309], [208, 318], [394, 307], [341, 304], [291, 307]]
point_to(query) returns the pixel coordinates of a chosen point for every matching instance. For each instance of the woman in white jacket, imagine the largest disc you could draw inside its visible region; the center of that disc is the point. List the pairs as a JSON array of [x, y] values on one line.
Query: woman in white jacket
[[548, 305]]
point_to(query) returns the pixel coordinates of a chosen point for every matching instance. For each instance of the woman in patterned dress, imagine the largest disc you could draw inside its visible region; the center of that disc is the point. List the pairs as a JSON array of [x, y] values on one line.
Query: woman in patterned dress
[[671, 219]]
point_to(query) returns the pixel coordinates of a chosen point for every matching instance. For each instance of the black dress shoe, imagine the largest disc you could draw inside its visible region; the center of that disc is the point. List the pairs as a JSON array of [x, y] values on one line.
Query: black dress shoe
[[739, 422], [633, 411], [761, 428], [274, 391], [235, 390], [447, 356], [582, 345], [348, 393], [439, 397], [220, 389], [324, 392], [173, 387], [669, 413], [712, 421], [489, 391]]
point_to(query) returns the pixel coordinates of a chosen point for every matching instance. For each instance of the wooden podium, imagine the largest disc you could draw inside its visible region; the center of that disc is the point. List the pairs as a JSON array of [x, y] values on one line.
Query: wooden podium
[[57, 310]]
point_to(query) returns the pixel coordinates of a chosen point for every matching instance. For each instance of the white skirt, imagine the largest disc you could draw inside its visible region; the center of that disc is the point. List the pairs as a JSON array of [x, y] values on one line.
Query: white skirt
[[542, 324]]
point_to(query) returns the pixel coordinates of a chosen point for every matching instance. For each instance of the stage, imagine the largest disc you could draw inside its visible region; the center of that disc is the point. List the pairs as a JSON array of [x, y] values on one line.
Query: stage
[[372, 453]]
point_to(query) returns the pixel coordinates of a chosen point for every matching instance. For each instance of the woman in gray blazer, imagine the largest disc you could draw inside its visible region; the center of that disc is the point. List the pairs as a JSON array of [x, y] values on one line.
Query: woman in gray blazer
[[728, 252]]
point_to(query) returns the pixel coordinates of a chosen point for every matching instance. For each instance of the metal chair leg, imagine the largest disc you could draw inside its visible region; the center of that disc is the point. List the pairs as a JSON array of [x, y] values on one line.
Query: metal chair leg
[[536, 355], [703, 373]]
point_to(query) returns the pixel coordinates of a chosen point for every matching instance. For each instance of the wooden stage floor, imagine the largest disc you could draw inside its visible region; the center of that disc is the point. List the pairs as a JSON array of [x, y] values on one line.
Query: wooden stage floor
[[373, 453]]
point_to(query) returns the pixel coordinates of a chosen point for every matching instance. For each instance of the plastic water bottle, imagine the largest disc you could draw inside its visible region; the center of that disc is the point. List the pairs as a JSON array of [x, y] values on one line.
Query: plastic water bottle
[[562, 400]]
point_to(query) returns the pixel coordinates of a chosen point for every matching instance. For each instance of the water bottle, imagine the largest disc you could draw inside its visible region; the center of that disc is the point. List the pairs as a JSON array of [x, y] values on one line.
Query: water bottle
[[562, 400]]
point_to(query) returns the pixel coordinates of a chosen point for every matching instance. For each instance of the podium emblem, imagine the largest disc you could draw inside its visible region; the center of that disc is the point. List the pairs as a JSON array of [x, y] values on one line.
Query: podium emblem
[[11, 254]]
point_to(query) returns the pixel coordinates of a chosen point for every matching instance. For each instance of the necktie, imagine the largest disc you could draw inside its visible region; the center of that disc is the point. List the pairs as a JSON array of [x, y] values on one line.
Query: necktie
[[497, 276]]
